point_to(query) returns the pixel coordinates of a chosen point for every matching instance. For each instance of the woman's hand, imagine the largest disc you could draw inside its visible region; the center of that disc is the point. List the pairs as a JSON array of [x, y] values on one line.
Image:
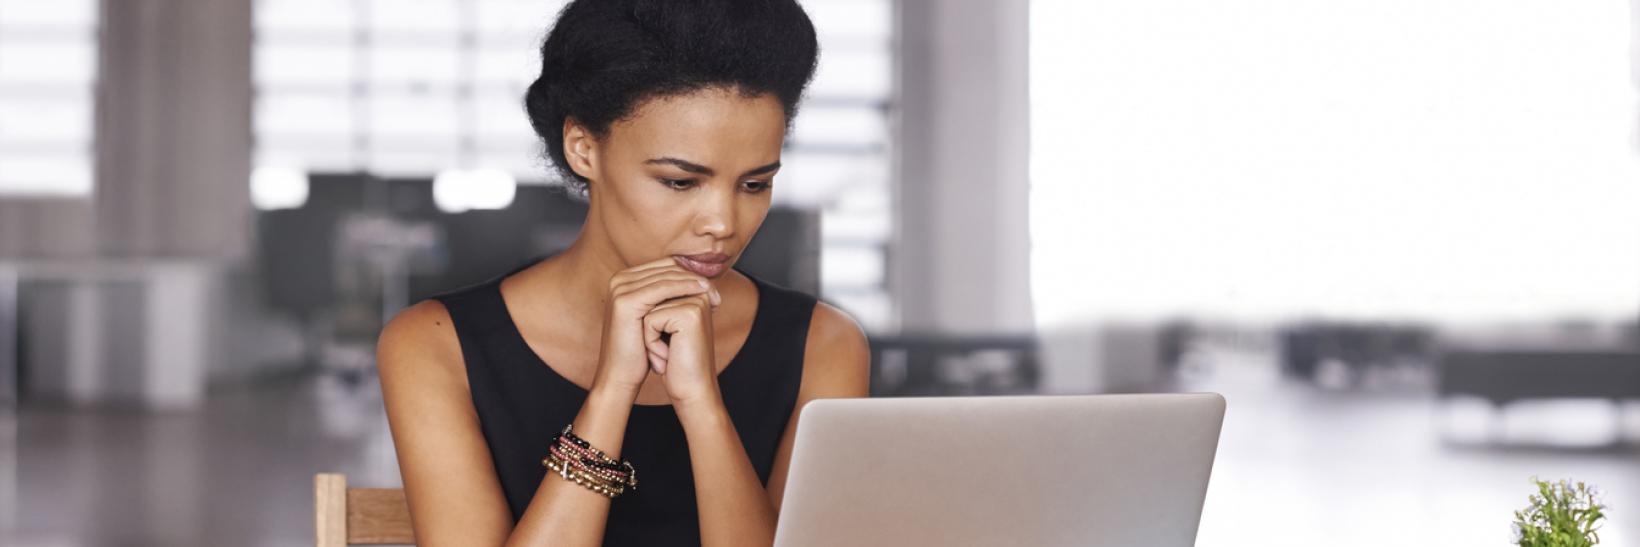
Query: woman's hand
[[678, 334], [623, 360]]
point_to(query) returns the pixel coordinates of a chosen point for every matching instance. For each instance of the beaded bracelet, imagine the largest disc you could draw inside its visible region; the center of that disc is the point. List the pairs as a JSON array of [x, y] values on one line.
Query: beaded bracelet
[[575, 459], [596, 457], [588, 457], [602, 474], [563, 469], [566, 468]]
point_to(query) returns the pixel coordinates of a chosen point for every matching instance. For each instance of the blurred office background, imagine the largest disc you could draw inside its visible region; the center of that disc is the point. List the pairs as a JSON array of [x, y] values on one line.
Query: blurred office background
[[1400, 237]]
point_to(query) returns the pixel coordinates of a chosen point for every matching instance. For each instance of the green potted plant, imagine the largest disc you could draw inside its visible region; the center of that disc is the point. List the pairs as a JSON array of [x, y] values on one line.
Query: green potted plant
[[1562, 514]]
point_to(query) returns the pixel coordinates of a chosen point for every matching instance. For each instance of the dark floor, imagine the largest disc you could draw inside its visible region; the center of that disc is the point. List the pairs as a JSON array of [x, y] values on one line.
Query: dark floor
[[1297, 465], [240, 472]]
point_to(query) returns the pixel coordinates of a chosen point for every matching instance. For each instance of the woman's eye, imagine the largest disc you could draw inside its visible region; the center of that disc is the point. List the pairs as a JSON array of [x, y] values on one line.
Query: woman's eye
[[678, 184], [756, 186]]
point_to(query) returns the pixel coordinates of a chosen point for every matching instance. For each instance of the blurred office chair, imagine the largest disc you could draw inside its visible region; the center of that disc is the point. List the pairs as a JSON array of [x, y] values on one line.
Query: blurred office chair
[[358, 516], [296, 260]]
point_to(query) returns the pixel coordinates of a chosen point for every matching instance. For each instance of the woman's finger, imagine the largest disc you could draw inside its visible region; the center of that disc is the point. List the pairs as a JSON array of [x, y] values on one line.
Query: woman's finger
[[679, 272], [641, 270], [658, 275], [652, 294], [666, 272], [657, 363], [656, 338], [704, 300]]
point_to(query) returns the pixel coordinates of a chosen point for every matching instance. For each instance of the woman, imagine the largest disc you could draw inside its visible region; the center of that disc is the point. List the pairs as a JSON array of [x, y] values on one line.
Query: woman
[[666, 363]]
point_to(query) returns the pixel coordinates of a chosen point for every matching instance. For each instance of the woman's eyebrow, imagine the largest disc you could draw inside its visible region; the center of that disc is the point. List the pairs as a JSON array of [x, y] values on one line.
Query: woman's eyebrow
[[770, 168], [704, 170], [684, 165]]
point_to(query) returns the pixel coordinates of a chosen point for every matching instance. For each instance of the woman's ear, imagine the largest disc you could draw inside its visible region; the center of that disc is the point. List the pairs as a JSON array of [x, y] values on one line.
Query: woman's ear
[[580, 149]]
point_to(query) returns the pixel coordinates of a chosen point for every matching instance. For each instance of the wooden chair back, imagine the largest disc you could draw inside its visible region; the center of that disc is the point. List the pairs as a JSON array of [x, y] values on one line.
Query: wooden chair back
[[358, 516]]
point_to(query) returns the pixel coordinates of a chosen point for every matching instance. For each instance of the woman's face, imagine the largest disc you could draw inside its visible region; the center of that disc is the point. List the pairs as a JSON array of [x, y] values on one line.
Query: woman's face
[[683, 175]]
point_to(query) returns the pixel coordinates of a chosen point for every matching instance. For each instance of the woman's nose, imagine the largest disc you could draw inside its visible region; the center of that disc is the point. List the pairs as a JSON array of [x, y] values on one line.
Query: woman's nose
[[717, 215]]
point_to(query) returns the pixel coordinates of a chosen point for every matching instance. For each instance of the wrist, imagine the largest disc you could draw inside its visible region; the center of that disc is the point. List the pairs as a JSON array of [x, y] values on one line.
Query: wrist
[[612, 391], [705, 404]]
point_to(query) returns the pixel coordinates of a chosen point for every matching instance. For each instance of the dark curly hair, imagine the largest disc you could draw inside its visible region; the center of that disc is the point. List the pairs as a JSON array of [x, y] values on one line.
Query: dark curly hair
[[603, 58]]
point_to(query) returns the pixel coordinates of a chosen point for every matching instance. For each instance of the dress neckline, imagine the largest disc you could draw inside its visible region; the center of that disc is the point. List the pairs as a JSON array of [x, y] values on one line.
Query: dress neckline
[[759, 317]]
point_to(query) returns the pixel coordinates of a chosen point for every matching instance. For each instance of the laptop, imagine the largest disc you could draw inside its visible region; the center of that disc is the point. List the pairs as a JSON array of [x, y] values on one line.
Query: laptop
[[1039, 470]]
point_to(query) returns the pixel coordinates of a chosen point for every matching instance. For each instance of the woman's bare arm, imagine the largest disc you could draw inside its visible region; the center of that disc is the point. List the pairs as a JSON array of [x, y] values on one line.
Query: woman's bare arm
[[836, 365], [449, 479], [735, 509]]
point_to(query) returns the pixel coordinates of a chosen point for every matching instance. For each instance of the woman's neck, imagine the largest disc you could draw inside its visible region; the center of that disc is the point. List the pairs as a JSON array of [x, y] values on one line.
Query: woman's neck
[[575, 281]]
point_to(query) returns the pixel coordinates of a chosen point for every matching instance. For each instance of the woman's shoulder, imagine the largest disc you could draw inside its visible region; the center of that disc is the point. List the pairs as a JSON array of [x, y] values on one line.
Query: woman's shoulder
[[831, 328], [836, 350], [836, 356], [826, 322], [421, 338], [425, 324]]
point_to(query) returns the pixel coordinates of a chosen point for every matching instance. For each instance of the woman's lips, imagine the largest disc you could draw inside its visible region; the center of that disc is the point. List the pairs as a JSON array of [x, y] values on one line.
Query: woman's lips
[[707, 269]]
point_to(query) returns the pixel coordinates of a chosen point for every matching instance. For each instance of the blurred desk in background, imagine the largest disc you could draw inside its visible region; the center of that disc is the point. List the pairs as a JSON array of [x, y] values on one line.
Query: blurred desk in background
[[1502, 376], [132, 331], [950, 364]]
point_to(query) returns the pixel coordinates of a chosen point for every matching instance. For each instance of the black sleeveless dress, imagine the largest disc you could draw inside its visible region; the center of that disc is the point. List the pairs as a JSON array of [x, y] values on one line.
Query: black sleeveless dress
[[521, 403]]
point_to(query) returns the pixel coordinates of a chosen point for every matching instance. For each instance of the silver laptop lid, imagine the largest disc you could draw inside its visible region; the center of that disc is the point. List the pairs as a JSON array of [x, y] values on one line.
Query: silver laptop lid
[[1042, 470]]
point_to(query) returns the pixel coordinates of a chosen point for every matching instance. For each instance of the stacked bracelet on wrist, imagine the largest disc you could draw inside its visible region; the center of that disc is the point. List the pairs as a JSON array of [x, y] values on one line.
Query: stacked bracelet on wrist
[[574, 459]]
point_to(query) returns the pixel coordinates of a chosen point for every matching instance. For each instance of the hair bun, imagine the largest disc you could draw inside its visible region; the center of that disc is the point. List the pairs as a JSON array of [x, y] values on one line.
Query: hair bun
[[604, 57]]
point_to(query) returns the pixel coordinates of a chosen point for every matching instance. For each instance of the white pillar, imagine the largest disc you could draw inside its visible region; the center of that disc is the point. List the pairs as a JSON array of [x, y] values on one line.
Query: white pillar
[[174, 108], [961, 259]]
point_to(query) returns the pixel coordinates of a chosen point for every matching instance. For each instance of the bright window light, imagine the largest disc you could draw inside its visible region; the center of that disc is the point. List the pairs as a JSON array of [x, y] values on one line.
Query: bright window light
[[1355, 159], [48, 68], [459, 190], [43, 175], [275, 187]]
